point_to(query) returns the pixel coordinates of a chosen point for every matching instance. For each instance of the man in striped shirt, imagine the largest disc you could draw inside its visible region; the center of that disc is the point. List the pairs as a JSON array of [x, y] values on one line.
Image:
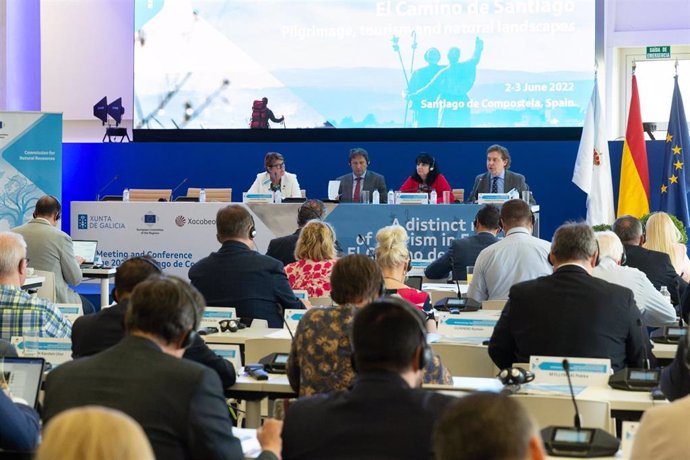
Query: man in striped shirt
[[19, 311]]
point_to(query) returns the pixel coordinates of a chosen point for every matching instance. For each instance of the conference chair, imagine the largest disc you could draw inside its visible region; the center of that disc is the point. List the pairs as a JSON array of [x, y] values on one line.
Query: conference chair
[[47, 289], [558, 411], [493, 304], [467, 360], [142, 194], [212, 194], [459, 195]]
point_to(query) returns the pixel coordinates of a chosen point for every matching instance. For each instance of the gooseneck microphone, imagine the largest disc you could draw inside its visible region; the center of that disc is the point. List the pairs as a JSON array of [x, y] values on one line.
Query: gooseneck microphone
[[287, 326], [110, 182], [179, 185], [566, 368]]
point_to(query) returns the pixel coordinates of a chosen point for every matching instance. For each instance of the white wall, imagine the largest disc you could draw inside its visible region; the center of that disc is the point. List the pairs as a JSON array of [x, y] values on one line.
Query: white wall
[[87, 53]]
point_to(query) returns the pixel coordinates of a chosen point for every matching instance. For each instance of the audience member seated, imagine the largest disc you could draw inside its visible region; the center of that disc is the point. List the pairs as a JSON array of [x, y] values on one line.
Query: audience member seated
[[19, 423], [497, 179], [315, 254], [94, 333], [385, 414], [19, 311], [238, 276], [662, 235], [395, 261], [92, 432], [361, 179], [656, 265], [517, 257], [463, 252], [50, 249], [478, 426], [655, 309], [275, 178], [662, 432], [283, 248], [427, 177], [570, 313], [675, 378], [320, 355], [178, 403]]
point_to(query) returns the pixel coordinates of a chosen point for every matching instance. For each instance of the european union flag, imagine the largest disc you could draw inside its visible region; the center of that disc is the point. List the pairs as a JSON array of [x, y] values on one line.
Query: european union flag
[[676, 181]]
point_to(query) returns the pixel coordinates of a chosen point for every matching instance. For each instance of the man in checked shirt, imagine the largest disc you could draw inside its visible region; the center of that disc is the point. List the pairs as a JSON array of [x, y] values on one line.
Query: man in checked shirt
[[19, 311]]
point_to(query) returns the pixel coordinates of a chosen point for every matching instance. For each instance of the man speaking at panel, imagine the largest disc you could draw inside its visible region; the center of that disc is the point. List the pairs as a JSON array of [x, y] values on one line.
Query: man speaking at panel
[[361, 179], [497, 179]]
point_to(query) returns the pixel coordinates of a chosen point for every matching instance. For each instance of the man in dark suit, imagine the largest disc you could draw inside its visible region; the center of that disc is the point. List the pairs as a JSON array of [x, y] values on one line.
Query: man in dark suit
[[238, 276], [675, 378], [656, 265], [463, 252], [92, 334], [385, 414], [361, 179], [497, 179], [570, 313], [178, 403], [283, 248]]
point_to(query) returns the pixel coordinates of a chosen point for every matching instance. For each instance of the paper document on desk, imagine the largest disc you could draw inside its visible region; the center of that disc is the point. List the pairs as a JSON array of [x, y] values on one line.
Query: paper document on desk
[[461, 340], [250, 445], [550, 389], [281, 334]]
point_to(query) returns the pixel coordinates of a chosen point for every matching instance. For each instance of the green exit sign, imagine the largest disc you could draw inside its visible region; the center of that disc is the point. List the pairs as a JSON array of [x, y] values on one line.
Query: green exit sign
[[658, 52]]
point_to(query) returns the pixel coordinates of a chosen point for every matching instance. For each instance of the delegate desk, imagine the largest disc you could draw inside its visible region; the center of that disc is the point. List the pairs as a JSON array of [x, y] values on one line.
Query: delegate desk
[[177, 234], [104, 275]]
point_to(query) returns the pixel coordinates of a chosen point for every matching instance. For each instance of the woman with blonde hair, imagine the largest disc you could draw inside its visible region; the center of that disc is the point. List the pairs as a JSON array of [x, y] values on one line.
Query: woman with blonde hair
[[394, 258], [663, 236], [90, 432], [315, 253]]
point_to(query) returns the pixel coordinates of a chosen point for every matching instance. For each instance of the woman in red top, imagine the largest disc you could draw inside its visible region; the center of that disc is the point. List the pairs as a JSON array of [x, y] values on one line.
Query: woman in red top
[[426, 178], [315, 253]]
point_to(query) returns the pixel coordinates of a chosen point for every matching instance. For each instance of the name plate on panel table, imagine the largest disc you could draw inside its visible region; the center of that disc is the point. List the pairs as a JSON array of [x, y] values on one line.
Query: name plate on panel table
[[55, 351], [413, 198], [229, 352], [462, 325], [493, 198], [70, 311], [292, 317], [583, 371], [257, 198], [213, 315]]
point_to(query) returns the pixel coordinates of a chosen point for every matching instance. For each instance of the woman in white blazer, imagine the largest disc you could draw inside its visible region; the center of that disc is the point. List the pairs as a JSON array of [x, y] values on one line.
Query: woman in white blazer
[[276, 178]]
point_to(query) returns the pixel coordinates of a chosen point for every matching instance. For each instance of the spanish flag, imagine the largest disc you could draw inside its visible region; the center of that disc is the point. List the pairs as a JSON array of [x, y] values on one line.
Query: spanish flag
[[633, 194]]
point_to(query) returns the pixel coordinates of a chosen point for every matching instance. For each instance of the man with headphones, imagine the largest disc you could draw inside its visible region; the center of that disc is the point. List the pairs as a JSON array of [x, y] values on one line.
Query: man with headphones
[[361, 179], [178, 403], [385, 414], [517, 257], [92, 334], [463, 252], [50, 249], [238, 276], [570, 313]]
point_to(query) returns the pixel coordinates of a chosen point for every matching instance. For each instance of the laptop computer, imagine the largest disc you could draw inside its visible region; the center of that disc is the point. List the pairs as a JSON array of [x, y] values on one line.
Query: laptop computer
[[87, 250], [24, 377]]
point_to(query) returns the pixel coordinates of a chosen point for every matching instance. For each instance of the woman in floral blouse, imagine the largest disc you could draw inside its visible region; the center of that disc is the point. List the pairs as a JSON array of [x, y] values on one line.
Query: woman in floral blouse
[[315, 253]]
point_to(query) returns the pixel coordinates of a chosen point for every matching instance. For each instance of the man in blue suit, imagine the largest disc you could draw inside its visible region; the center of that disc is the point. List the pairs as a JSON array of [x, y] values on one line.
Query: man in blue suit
[[497, 179], [463, 252]]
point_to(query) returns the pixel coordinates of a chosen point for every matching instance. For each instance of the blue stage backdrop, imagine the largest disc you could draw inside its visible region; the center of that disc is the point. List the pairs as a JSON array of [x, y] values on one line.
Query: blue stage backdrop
[[548, 166]]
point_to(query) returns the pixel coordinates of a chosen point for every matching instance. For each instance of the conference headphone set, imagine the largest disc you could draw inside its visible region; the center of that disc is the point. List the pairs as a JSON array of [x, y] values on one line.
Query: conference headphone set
[[191, 336], [427, 355], [252, 230], [515, 376]]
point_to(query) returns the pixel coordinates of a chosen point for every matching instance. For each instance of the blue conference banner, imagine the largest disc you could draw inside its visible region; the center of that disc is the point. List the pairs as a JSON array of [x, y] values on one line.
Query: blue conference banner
[[30, 163]]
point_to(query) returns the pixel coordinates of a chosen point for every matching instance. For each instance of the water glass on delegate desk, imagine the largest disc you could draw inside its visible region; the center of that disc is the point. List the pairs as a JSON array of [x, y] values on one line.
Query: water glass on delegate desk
[[446, 197], [470, 272], [364, 196]]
